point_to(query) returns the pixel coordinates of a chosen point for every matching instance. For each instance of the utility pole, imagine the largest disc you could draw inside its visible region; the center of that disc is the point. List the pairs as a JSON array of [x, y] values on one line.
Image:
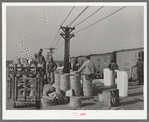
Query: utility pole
[[48, 56], [51, 52], [67, 36]]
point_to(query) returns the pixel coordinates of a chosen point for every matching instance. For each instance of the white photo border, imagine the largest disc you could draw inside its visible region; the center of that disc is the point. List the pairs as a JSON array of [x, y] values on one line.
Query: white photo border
[[68, 114]]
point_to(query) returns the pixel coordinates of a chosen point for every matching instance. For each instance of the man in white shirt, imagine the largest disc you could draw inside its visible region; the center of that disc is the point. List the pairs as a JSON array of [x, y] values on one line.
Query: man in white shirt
[[89, 68]]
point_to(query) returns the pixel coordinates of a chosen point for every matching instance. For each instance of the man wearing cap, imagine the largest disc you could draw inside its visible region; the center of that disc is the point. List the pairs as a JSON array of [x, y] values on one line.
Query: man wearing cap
[[140, 70]]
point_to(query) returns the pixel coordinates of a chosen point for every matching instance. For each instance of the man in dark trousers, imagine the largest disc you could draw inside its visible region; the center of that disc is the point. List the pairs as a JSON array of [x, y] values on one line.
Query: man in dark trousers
[[51, 66], [140, 70]]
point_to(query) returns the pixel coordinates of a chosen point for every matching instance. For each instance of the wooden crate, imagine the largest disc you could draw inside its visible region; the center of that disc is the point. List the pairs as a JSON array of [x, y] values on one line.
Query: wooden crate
[[110, 98], [22, 91]]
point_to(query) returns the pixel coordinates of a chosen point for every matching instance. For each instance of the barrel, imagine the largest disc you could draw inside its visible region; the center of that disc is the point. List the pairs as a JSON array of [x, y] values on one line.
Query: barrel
[[75, 102], [75, 84], [64, 82], [87, 87], [57, 82]]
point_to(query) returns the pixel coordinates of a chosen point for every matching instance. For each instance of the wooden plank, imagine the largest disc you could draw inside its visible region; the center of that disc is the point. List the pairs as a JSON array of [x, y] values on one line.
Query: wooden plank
[[28, 78], [25, 82], [16, 92]]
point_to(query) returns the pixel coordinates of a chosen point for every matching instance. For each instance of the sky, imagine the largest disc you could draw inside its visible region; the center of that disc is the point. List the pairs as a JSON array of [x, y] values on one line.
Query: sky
[[29, 28]]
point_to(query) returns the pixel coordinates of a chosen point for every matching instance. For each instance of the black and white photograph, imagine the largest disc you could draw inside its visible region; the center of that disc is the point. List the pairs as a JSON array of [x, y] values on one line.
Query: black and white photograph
[[74, 60]]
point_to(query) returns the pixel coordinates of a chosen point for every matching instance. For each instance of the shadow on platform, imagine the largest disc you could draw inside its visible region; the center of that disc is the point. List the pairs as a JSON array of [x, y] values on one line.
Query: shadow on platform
[[135, 94], [131, 102], [87, 104]]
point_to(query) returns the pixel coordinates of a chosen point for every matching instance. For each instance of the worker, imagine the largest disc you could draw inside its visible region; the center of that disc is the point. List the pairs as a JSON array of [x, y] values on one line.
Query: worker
[[113, 67], [89, 69], [51, 67], [39, 57], [75, 66], [140, 70], [40, 60]]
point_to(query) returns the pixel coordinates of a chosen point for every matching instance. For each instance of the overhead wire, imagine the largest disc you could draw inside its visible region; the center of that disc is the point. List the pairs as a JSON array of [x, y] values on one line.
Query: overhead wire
[[78, 16], [48, 22], [59, 38], [63, 23], [57, 31], [87, 13], [68, 15], [88, 16], [60, 46], [43, 14], [73, 13], [100, 19], [59, 28], [62, 43], [52, 23]]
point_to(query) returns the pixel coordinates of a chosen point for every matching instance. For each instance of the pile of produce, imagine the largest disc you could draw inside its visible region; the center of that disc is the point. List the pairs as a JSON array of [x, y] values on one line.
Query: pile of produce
[[53, 99], [48, 101]]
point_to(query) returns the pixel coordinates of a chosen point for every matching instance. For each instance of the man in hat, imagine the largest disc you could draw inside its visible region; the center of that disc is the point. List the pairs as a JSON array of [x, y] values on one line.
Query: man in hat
[[140, 70], [75, 66]]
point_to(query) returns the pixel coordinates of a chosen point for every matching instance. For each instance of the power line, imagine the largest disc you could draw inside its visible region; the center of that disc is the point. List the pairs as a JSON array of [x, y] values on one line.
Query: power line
[[57, 31], [60, 43], [61, 24], [89, 16], [72, 15], [101, 19], [60, 46], [52, 23], [59, 28], [68, 15], [55, 37], [48, 22], [58, 40], [87, 13], [77, 16]]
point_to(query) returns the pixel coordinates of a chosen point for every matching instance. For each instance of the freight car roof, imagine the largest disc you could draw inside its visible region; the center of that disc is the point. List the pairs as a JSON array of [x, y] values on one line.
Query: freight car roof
[[129, 49], [110, 52]]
